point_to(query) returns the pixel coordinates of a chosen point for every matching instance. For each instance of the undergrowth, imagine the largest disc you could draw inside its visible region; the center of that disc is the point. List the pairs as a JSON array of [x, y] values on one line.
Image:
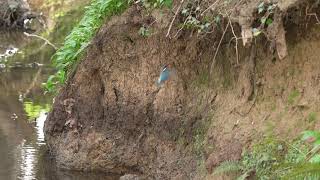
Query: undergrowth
[[66, 57], [278, 159]]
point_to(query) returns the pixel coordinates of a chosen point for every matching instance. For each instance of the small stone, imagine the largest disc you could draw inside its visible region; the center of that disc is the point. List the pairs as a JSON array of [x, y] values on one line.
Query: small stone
[[130, 177]]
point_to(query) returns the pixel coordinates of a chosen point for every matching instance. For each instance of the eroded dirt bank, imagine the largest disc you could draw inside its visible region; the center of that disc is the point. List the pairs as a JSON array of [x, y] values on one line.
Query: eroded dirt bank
[[111, 116]]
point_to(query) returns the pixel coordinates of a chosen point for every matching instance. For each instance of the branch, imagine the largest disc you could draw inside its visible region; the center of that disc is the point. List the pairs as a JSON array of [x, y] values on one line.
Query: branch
[[42, 38], [210, 7], [174, 18]]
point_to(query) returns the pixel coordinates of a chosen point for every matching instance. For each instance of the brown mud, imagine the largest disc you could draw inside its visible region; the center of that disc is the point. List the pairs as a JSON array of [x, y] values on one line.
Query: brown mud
[[112, 117]]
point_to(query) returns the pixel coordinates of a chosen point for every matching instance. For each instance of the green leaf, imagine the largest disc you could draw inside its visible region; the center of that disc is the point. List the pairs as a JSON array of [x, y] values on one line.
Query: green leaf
[[315, 159], [256, 32], [263, 20], [308, 171], [217, 19], [227, 167], [261, 7], [67, 56], [243, 176], [168, 3], [310, 134], [269, 21]]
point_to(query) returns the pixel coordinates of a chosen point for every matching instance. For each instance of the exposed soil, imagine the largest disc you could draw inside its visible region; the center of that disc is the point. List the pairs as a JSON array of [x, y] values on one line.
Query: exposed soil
[[112, 117]]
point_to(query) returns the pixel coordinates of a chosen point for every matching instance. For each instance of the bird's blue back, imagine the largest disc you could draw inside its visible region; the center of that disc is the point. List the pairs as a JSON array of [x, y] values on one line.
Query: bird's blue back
[[164, 75]]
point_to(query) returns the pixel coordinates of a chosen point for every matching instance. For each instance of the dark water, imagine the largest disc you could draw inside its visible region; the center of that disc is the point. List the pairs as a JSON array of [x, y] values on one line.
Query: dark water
[[24, 65]]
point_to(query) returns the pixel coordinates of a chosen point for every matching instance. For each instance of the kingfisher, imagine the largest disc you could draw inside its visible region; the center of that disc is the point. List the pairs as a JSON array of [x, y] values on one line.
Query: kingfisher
[[164, 75]]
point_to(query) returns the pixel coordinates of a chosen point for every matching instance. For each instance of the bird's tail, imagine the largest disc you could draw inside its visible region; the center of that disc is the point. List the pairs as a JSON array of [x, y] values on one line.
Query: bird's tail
[[158, 83]]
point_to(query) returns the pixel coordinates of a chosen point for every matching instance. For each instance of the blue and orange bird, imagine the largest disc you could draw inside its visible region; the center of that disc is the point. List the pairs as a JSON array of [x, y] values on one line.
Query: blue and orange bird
[[164, 75]]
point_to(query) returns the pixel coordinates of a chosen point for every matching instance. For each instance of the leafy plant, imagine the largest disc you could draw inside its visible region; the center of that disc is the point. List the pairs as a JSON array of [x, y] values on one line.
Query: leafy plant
[[266, 21], [303, 171], [266, 11], [307, 167], [265, 7], [261, 7], [256, 32], [217, 19], [154, 3], [144, 31], [194, 21], [261, 160], [66, 57], [275, 159], [229, 167]]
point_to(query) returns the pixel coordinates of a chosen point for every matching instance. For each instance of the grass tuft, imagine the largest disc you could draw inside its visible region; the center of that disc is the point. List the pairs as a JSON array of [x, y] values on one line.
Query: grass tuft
[[76, 42]]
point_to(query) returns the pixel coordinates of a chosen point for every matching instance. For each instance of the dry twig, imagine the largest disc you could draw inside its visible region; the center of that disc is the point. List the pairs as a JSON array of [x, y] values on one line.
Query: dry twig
[[210, 7], [174, 18], [216, 53], [42, 38]]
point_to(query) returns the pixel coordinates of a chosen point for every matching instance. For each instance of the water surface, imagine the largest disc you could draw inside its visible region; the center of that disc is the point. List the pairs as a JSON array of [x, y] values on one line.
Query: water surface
[[24, 65]]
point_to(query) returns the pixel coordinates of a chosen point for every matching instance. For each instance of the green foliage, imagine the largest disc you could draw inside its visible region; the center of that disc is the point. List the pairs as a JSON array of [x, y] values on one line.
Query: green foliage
[[144, 31], [256, 32], [64, 24], [229, 167], [264, 157], [154, 3], [261, 160], [307, 165], [266, 21], [275, 159], [263, 7], [265, 11], [303, 171], [312, 136], [66, 57], [33, 110], [297, 152], [194, 20]]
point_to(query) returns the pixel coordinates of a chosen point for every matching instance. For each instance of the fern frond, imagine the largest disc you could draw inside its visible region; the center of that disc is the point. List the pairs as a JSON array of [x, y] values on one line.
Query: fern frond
[[228, 167], [307, 171], [244, 176]]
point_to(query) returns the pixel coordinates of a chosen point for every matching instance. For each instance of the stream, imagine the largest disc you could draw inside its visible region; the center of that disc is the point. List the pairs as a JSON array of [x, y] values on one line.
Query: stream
[[24, 66]]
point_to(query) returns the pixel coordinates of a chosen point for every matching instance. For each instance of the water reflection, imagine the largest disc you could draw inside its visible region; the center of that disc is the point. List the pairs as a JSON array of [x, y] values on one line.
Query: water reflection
[[27, 161], [39, 127], [29, 152], [23, 110]]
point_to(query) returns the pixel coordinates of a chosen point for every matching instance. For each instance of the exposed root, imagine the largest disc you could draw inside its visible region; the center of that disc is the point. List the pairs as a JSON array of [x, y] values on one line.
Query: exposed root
[[315, 15], [236, 38], [216, 53], [276, 33], [312, 15]]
